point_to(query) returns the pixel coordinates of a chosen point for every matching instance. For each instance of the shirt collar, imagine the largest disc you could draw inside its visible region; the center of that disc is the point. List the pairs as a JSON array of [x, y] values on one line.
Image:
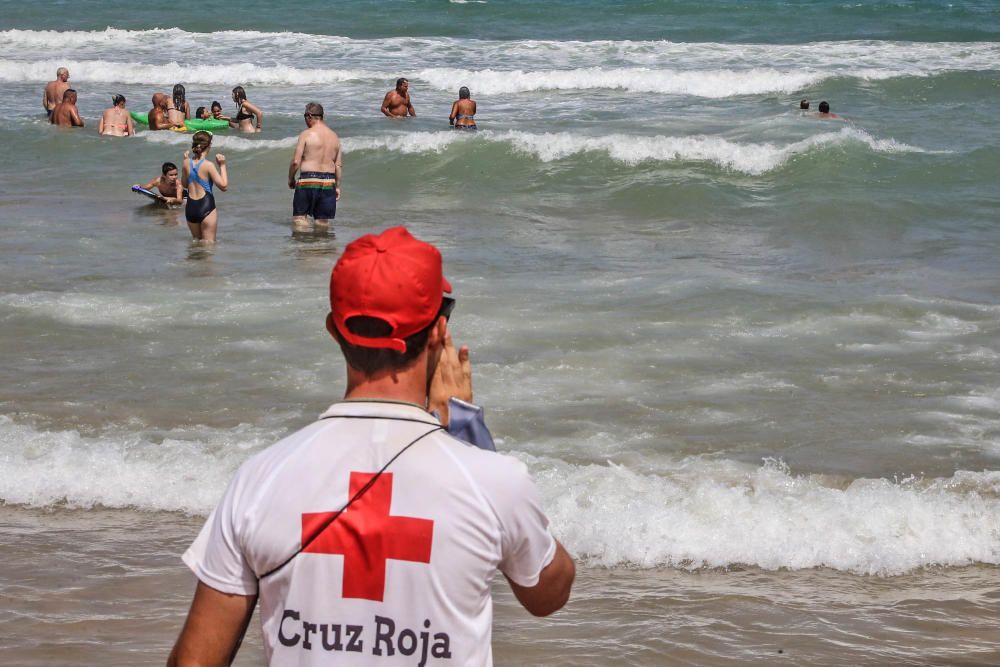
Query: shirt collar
[[380, 408]]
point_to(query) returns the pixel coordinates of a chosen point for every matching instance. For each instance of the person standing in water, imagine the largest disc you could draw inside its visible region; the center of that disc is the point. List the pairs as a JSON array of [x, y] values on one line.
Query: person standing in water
[[463, 111], [158, 117], [65, 113], [249, 117], [54, 90], [116, 121], [199, 177], [396, 103], [317, 162], [180, 111]]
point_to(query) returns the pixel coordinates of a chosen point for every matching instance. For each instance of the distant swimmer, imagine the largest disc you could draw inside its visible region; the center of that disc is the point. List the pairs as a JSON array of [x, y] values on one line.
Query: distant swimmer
[[116, 121], [249, 117], [200, 176], [66, 114], [168, 184], [804, 105], [824, 112], [317, 162], [217, 111], [396, 103], [158, 118], [54, 90], [463, 111], [180, 110], [201, 113]]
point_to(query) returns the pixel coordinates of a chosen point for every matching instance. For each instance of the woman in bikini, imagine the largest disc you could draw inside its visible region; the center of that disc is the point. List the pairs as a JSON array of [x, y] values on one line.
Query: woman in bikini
[[180, 111], [463, 111], [116, 121], [249, 117], [199, 177]]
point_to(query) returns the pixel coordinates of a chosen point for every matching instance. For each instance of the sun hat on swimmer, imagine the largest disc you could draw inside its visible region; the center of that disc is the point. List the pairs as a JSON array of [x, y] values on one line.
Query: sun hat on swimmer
[[393, 277]]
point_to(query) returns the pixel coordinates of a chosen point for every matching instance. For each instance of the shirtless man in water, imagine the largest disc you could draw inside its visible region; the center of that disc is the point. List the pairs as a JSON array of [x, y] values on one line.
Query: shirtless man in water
[[158, 117], [317, 162], [66, 114], [54, 90], [397, 102]]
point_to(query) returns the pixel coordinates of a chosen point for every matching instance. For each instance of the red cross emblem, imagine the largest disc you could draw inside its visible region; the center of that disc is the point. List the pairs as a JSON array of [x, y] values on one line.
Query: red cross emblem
[[366, 536]]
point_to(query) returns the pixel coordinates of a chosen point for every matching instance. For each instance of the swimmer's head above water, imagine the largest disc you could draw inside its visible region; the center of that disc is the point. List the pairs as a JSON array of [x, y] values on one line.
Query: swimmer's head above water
[[804, 105], [402, 84], [201, 141], [463, 93], [824, 107], [118, 100], [239, 95], [179, 96]]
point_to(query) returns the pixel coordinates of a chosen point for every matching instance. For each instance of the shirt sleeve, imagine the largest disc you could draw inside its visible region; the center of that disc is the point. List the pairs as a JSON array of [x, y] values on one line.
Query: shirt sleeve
[[527, 546], [468, 423], [216, 556]]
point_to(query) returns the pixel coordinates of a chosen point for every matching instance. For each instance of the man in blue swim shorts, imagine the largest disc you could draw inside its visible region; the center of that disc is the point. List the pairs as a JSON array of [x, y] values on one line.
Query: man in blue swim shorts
[[315, 173]]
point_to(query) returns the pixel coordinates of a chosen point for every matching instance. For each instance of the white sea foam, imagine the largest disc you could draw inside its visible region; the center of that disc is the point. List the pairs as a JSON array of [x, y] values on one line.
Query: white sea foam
[[748, 158], [695, 513], [105, 71], [715, 514]]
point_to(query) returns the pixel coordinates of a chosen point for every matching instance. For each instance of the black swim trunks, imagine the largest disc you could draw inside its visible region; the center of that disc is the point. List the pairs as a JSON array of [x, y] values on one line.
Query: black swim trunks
[[315, 195]]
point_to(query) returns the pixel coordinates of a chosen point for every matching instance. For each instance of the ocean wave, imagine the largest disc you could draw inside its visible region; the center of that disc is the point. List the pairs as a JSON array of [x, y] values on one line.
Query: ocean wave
[[828, 55], [699, 513], [719, 514], [715, 84], [104, 71], [748, 158]]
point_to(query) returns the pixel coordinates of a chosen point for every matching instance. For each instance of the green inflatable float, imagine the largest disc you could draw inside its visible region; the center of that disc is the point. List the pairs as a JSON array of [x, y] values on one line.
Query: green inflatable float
[[190, 125]]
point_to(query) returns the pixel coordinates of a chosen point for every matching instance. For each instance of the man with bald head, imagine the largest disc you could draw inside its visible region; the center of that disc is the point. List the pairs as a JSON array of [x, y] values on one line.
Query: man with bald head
[[54, 90], [65, 113], [158, 118]]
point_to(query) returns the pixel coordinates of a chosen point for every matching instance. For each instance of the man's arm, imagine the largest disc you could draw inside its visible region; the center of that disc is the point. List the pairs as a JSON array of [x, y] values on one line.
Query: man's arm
[[385, 103], [45, 98], [551, 592], [75, 117], [454, 112], [293, 166], [213, 630], [338, 169], [409, 106], [159, 121]]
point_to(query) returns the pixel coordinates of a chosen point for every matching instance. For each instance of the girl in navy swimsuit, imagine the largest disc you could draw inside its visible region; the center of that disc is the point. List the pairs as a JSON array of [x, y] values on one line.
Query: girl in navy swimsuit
[[200, 176]]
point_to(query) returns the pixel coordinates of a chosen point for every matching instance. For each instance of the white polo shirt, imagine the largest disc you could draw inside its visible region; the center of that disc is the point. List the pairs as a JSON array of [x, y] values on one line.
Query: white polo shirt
[[402, 576]]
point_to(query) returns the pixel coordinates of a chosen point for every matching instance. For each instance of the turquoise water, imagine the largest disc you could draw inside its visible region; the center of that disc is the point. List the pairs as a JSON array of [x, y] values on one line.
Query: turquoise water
[[745, 351]]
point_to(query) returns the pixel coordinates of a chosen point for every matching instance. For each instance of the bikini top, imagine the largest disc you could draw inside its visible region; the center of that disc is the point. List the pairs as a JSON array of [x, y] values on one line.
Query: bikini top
[[242, 115], [463, 116], [197, 178]]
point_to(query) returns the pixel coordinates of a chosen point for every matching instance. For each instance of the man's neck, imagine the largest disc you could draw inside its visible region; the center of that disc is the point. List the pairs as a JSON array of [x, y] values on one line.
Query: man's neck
[[407, 386]]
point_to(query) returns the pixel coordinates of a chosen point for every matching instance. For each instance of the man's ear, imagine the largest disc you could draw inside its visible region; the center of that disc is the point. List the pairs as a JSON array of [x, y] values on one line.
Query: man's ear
[[438, 333]]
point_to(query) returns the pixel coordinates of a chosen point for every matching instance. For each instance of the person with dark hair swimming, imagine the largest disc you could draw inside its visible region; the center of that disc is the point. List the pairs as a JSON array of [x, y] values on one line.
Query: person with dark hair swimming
[[116, 121], [804, 105], [180, 111], [168, 184], [396, 103], [463, 111], [249, 117], [824, 112], [200, 177]]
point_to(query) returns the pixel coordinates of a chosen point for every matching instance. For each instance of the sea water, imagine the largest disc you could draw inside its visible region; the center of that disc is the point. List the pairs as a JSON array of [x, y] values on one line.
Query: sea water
[[750, 355]]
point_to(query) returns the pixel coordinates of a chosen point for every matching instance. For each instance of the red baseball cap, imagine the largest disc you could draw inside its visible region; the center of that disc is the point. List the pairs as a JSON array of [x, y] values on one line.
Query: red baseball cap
[[393, 277]]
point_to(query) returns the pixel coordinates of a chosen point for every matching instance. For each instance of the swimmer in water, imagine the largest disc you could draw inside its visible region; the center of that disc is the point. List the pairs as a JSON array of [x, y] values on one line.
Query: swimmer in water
[[824, 112], [158, 117], [116, 121], [463, 111], [168, 184], [200, 177], [396, 103], [180, 110], [249, 117], [66, 114], [53, 93]]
